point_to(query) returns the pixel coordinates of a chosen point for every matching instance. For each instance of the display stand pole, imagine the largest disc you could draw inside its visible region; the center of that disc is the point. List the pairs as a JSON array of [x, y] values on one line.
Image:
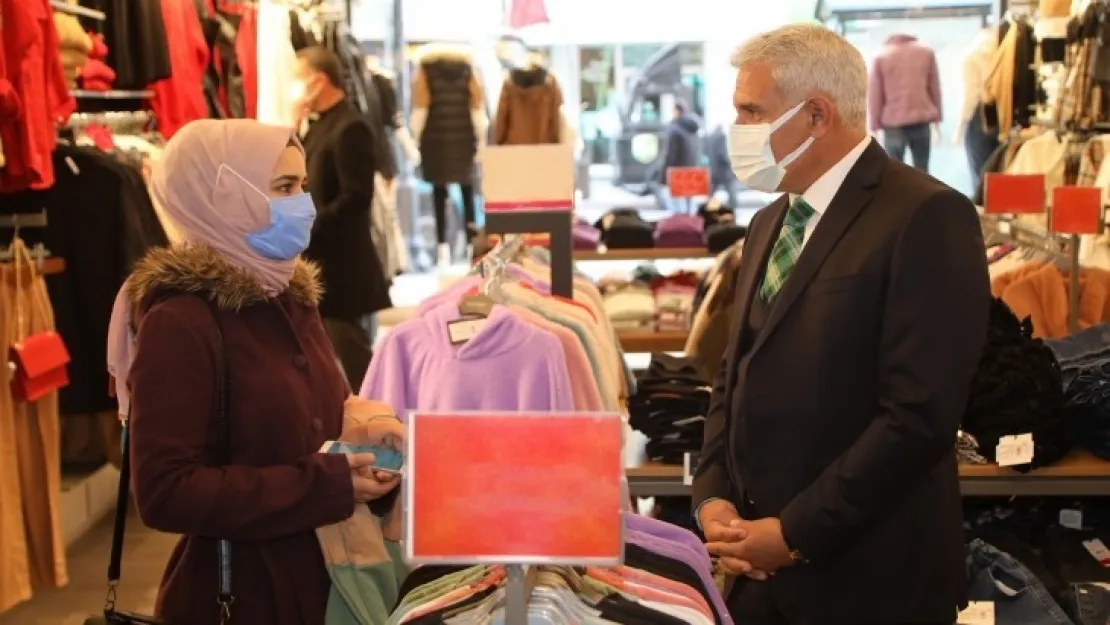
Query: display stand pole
[[517, 594], [1073, 293], [555, 223]]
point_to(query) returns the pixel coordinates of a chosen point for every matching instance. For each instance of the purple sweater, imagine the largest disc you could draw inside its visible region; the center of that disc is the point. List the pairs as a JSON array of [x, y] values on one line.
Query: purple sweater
[[904, 86], [509, 365]]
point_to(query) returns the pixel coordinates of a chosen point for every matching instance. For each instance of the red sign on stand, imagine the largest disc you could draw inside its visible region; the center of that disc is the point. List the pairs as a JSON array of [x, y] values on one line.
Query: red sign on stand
[[1014, 193], [1076, 210], [514, 488], [688, 181]]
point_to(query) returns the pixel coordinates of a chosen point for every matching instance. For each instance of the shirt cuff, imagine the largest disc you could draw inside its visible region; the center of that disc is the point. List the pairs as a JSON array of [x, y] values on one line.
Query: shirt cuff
[[697, 512]]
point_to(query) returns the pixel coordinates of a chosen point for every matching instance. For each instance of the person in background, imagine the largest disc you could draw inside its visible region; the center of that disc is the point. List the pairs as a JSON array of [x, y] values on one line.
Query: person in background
[[904, 94], [339, 148], [720, 167], [231, 291], [828, 472], [681, 148]]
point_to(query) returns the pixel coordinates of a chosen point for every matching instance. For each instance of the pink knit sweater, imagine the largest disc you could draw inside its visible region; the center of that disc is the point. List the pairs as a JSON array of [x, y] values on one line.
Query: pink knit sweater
[[904, 86]]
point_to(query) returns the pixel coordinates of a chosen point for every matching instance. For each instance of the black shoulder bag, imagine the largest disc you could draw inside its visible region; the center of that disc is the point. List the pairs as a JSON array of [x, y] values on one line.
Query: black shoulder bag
[[114, 616]]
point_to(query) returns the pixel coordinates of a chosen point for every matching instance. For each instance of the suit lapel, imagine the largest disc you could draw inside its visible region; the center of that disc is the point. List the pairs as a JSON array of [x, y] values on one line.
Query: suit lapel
[[852, 197], [757, 248]]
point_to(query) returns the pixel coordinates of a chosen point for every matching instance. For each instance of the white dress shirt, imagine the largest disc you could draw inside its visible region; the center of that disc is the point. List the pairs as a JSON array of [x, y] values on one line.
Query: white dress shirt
[[821, 193]]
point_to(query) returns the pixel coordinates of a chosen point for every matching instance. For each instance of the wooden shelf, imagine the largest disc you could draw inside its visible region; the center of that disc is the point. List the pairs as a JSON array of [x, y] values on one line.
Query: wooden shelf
[[647, 253], [637, 342], [1078, 475]]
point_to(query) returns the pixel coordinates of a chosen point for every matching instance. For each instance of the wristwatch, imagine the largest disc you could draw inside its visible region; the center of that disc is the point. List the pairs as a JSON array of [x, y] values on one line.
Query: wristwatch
[[796, 556]]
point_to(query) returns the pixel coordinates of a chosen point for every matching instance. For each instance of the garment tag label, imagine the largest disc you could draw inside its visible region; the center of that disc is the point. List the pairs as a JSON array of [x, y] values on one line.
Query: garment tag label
[[462, 330], [1014, 450], [1098, 550], [1071, 519], [73, 166], [977, 613], [689, 468]]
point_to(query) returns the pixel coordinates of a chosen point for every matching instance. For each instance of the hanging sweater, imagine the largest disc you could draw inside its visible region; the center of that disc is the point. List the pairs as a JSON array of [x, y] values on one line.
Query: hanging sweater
[[507, 365]]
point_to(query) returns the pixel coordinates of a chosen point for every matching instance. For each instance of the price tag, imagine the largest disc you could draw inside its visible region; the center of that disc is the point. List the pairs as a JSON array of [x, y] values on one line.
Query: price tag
[[514, 488], [977, 613], [528, 178], [689, 468], [1014, 450], [1071, 519], [1076, 210], [688, 181], [1098, 550], [1014, 193], [462, 330]]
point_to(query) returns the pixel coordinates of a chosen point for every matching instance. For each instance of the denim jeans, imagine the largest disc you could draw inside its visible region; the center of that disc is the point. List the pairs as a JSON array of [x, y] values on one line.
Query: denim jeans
[[1082, 349], [917, 137], [1090, 603], [1019, 597]]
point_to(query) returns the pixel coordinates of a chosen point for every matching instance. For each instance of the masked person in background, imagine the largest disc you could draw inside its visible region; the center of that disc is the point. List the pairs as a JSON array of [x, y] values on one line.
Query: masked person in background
[[231, 295], [828, 471], [339, 148]]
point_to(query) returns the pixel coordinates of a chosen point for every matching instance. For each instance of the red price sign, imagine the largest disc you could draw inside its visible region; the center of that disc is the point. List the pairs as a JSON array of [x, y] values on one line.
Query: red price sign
[[688, 181], [1014, 193], [1076, 210], [514, 488]]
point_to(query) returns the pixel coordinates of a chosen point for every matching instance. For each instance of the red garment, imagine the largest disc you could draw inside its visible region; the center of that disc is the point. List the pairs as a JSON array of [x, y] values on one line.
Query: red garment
[[179, 99], [246, 52], [96, 76], [33, 69], [528, 13]]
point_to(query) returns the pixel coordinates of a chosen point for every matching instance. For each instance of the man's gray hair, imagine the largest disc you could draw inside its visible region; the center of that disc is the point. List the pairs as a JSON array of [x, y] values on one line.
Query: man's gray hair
[[808, 58]]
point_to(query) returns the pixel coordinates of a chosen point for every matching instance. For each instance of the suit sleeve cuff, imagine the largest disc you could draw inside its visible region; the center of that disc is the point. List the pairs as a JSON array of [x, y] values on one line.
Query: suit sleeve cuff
[[803, 536]]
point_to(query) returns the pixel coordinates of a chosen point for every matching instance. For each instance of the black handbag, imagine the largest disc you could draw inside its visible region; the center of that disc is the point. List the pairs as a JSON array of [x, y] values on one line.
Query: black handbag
[[114, 616]]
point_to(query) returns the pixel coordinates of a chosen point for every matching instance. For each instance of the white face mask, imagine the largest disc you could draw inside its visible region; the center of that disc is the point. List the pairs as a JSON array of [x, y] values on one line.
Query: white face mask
[[753, 162]]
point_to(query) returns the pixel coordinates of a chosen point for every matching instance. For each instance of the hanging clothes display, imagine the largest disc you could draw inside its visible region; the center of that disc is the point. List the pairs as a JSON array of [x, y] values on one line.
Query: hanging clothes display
[[179, 99], [33, 94], [138, 47], [275, 77], [530, 108], [30, 467], [561, 353]]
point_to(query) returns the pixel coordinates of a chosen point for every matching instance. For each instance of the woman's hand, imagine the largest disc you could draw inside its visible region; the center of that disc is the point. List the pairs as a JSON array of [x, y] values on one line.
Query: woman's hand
[[368, 483]]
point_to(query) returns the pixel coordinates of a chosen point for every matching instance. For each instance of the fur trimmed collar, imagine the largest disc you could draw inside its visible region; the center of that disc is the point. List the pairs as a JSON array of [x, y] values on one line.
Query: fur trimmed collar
[[448, 52], [201, 270]]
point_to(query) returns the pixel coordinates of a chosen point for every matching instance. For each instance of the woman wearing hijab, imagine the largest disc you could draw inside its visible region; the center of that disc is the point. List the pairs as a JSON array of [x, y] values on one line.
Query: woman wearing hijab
[[233, 194]]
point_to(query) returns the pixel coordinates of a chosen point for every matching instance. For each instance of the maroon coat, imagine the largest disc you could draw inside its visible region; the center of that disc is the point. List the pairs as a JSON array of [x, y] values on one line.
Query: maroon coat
[[287, 397]]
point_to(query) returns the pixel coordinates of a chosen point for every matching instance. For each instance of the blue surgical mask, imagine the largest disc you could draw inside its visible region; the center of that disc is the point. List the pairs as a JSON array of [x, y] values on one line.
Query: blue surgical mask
[[290, 227]]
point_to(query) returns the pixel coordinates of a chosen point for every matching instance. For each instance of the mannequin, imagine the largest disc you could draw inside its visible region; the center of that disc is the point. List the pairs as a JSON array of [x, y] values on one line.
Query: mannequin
[[449, 125]]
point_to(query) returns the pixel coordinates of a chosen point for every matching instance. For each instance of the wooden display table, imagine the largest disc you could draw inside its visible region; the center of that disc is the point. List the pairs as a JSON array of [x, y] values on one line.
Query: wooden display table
[[639, 342], [647, 253], [1077, 475]]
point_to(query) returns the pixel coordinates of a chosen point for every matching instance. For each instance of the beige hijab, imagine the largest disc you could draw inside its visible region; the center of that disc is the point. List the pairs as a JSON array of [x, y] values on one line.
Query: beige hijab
[[208, 188]]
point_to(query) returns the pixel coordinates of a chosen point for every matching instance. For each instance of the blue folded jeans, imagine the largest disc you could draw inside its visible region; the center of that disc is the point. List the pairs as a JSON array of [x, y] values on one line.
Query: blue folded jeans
[[1090, 603], [1019, 597], [1083, 349]]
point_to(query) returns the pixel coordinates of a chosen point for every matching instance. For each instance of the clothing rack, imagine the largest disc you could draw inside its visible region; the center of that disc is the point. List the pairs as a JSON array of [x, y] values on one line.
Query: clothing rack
[[1064, 250], [123, 122], [114, 94], [79, 11], [557, 224]]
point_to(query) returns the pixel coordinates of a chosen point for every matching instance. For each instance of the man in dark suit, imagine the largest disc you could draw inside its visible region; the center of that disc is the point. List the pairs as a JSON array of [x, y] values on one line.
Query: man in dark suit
[[828, 481], [339, 149]]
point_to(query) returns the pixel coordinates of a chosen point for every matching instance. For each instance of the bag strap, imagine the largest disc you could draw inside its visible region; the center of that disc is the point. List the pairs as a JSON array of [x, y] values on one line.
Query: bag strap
[[224, 595]]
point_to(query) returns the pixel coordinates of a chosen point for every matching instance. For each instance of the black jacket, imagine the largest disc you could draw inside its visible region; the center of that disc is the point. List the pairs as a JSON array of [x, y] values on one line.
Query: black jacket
[[839, 416], [682, 145], [339, 147]]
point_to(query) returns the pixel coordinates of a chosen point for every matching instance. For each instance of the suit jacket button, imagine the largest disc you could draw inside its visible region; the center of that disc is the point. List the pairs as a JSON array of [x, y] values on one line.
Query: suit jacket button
[[317, 425], [300, 362]]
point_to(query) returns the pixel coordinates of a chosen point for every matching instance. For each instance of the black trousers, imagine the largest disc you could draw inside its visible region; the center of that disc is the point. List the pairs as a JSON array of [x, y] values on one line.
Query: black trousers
[[916, 137], [439, 203], [751, 603], [351, 340]]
